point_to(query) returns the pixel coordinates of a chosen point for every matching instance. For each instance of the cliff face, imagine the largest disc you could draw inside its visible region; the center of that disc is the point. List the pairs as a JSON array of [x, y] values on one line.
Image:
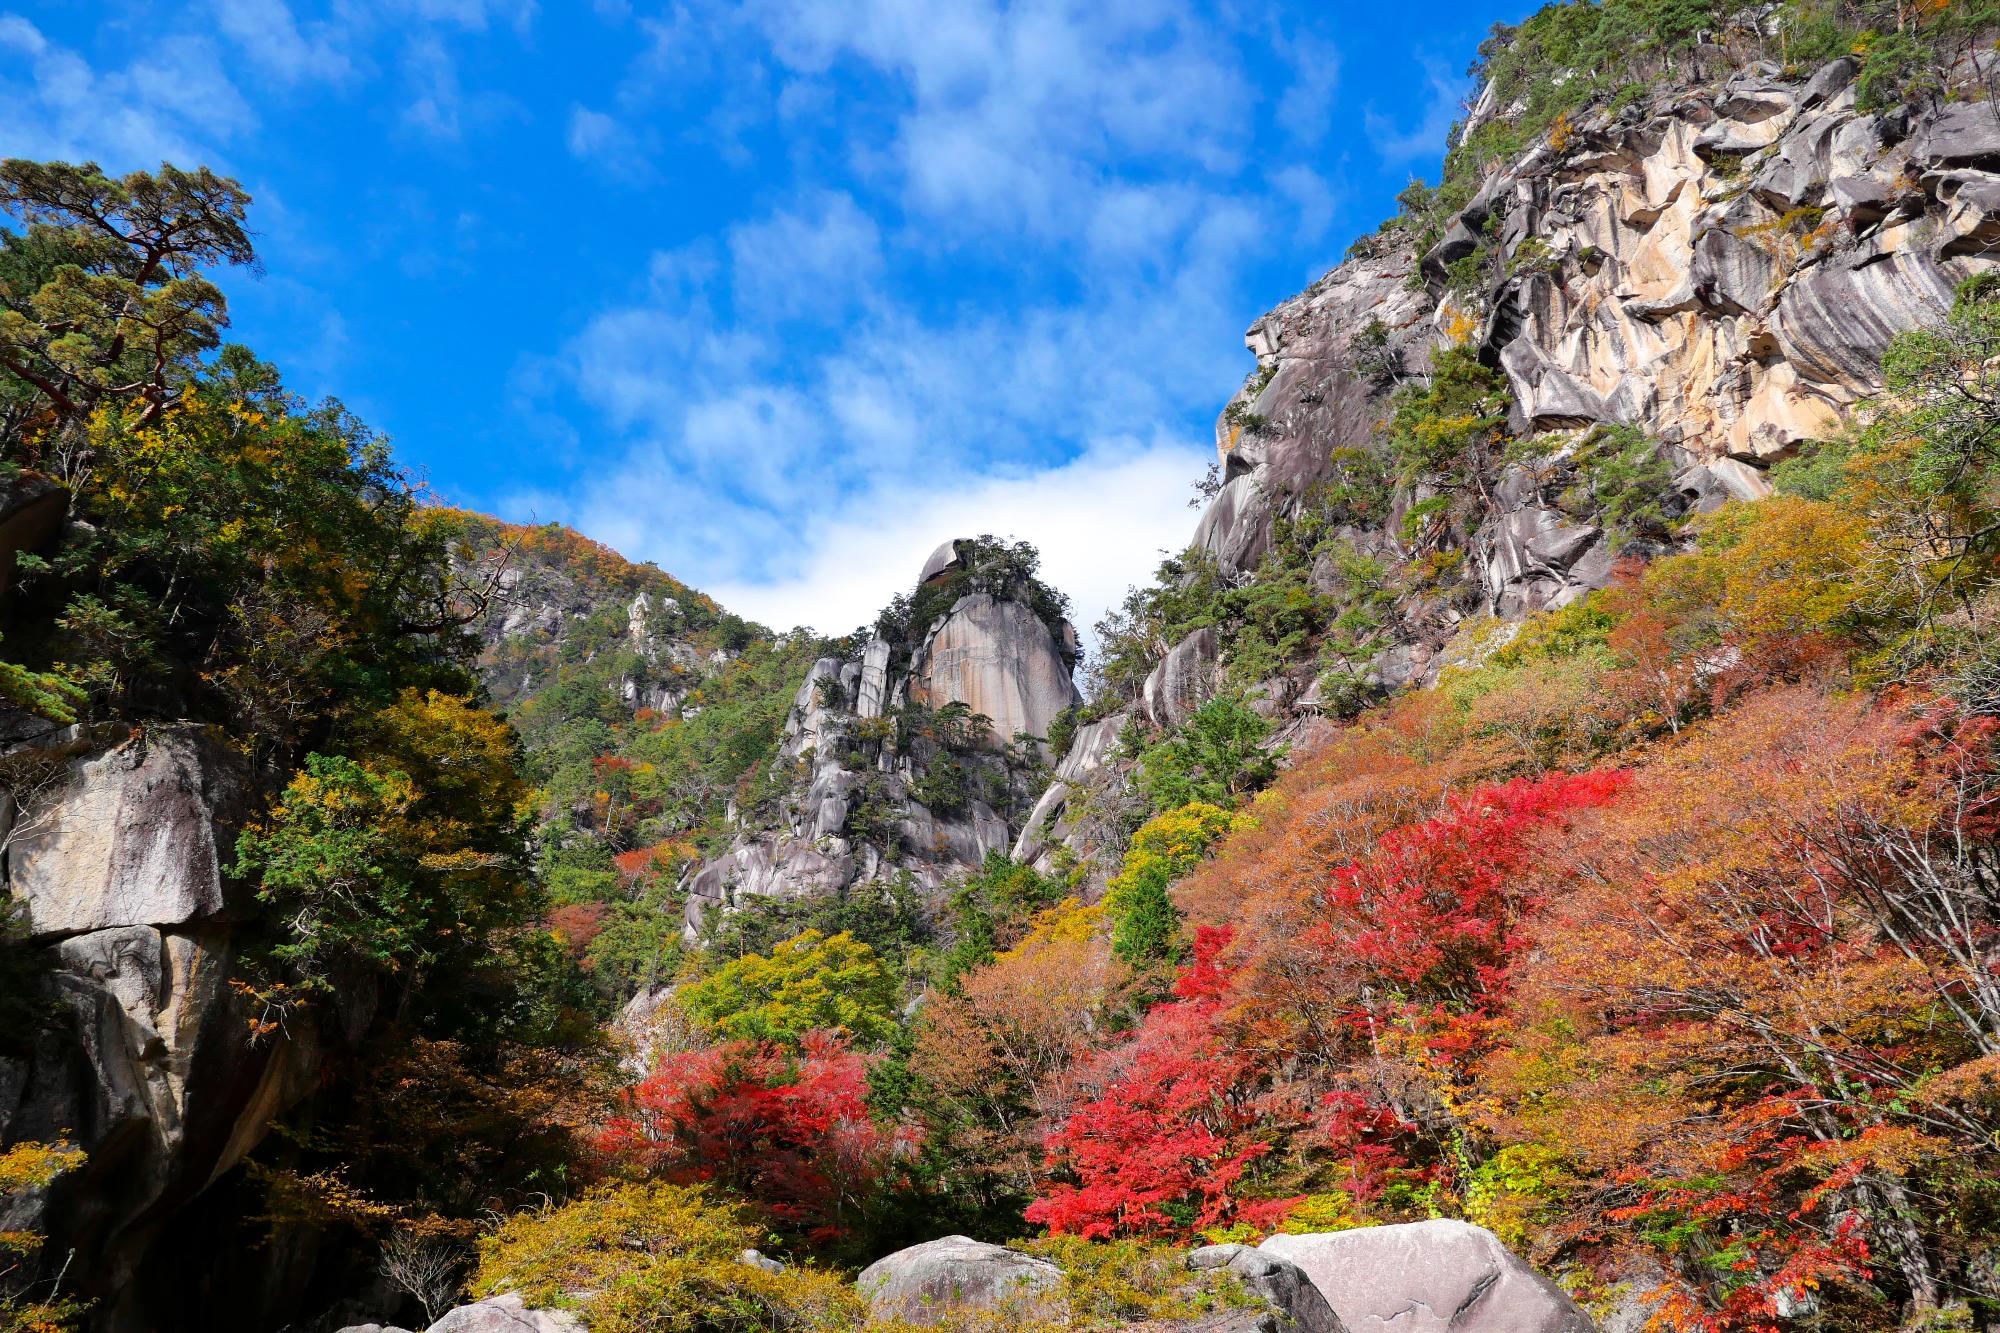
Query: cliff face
[[1717, 267], [1721, 268], [560, 602], [920, 769], [115, 844]]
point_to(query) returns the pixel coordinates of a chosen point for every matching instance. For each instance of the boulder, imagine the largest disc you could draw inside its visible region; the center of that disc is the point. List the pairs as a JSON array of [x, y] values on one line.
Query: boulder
[[1184, 679], [506, 1314], [1972, 224], [759, 1259], [1278, 1280], [956, 1274], [125, 837], [1731, 273], [1866, 200], [996, 657], [1235, 528], [1828, 81], [1963, 134], [941, 561], [1440, 1276], [1834, 323]]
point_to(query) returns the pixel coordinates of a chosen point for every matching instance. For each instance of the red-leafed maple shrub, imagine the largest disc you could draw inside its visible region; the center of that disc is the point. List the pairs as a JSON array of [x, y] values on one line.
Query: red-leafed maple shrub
[[791, 1132], [1163, 1151], [1432, 909]]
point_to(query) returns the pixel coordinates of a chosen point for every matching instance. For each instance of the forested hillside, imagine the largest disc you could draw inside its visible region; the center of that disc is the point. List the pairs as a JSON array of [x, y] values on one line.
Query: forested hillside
[[1528, 864]]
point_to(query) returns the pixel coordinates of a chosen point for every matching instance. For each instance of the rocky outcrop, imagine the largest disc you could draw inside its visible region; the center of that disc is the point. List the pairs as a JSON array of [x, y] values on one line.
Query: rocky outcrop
[[956, 1275], [1082, 811], [124, 837], [558, 601], [1183, 681], [1720, 267], [890, 771], [111, 852], [998, 659], [1440, 1276], [1276, 1280]]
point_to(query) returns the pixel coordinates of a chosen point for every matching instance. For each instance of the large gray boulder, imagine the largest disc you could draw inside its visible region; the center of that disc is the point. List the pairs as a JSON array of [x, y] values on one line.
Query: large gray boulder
[[1278, 1280], [1440, 1276], [506, 1314], [996, 657], [1963, 134], [956, 1274], [124, 838], [1183, 681], [114, 844]]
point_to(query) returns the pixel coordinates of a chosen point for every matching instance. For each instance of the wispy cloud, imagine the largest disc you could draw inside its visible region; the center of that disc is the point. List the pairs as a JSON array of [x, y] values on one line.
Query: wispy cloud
[[802, 412], [609, 144], [1098, 520], [270, 34], [1397, 144], [170, 102]]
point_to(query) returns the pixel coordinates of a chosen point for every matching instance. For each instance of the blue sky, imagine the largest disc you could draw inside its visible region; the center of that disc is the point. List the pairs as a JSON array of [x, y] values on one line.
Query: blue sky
[[775, 293]]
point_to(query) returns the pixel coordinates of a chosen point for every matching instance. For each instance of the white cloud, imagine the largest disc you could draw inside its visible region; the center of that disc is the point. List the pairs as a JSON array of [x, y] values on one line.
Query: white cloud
[[808, 259], [1305, 108], [1004, 114], [270, 34], [175, 102], [436, 101], [1425, 139], [1100, 521], [609, 143]]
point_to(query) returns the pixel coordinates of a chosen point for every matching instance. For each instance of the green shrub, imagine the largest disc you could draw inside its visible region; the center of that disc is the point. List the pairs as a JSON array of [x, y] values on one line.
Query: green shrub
[[1116, 1283], [1630, 480], [811, 982], [1217, 756]]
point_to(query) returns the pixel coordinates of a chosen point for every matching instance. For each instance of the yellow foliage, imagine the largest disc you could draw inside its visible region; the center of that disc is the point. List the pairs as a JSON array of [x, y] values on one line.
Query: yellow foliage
[[646, 1257], [31, 1165], [1068, 922], [1174, 842]]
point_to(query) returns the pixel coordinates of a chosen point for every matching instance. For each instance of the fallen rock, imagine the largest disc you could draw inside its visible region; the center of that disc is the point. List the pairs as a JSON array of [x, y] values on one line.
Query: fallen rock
[[506, 1314], [1964, 134], [956, 1274], [1278, 1280], [1440, 1276], [759, 1259]]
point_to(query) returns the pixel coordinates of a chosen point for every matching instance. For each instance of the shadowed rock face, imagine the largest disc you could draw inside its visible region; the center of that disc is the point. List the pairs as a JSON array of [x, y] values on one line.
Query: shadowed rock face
[[114, 852], [997, 658], [1440, 1276], [958, 1275], [1278, 1280]]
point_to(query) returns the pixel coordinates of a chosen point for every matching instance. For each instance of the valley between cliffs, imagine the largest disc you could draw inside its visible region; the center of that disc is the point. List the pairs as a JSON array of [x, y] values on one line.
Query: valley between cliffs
[[1530, 862]]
